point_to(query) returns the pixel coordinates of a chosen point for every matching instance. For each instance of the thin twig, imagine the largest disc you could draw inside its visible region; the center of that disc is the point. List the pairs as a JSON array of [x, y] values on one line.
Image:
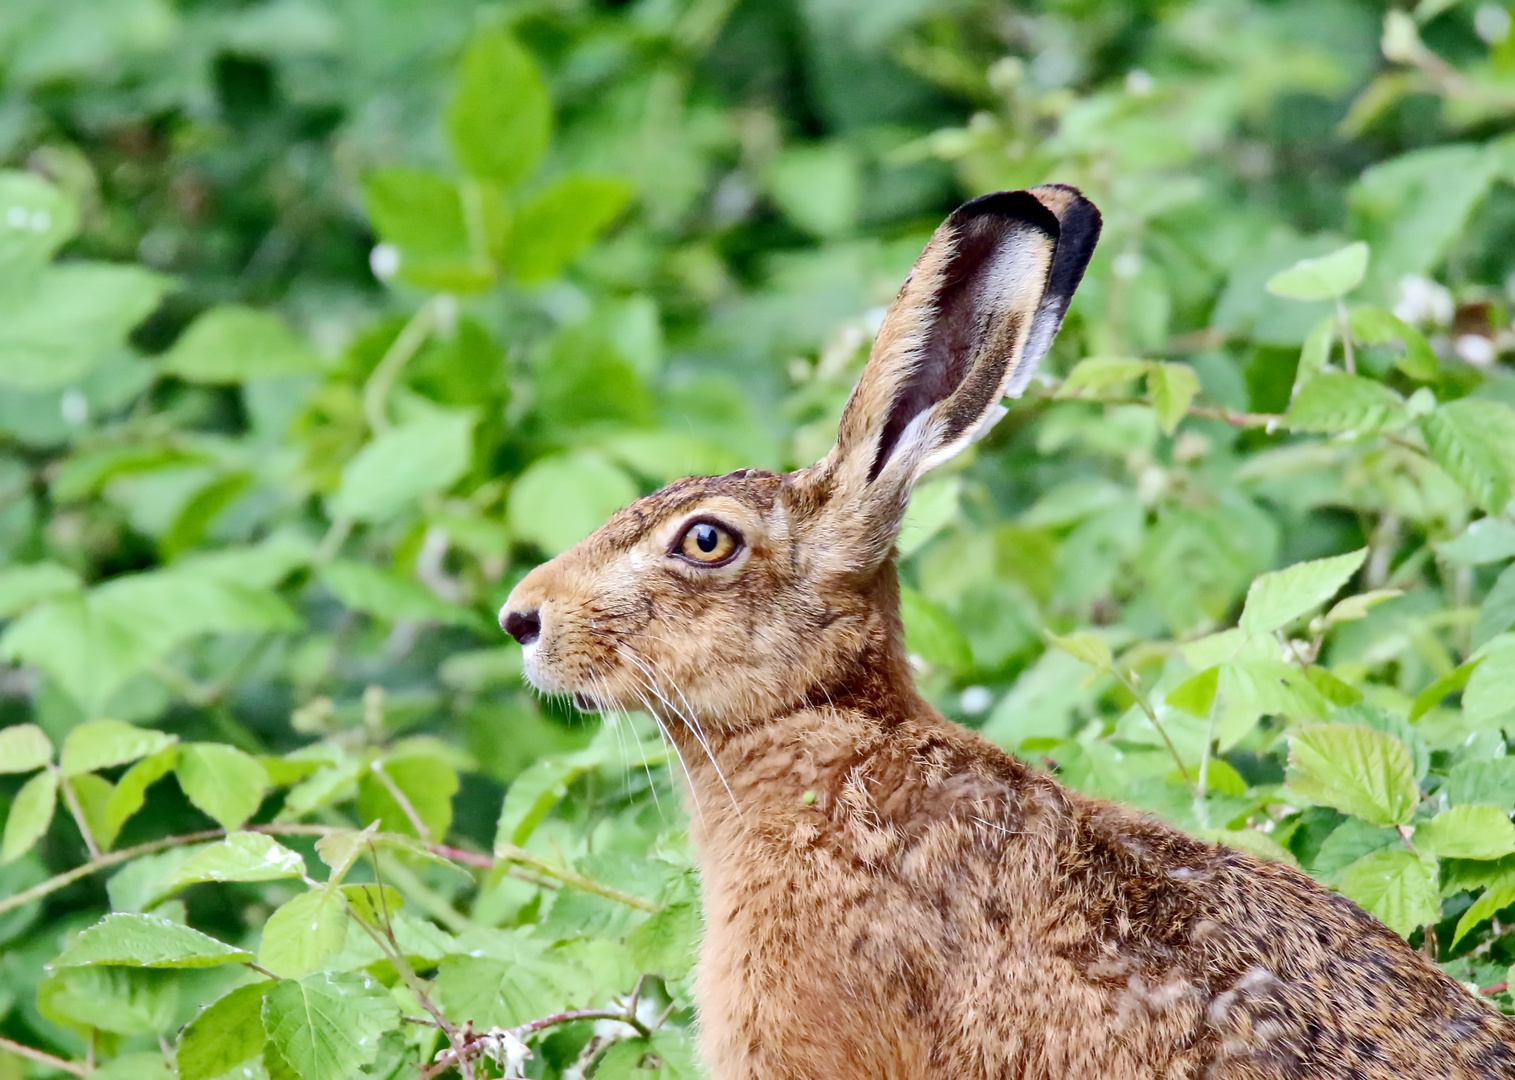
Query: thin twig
[[406, 344], [377, 768], [511, 853], [42, 1057], [71, 799], [1146, 707]]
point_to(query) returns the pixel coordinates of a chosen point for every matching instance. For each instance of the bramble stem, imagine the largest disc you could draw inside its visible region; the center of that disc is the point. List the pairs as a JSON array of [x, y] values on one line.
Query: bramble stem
[[42, 1057]]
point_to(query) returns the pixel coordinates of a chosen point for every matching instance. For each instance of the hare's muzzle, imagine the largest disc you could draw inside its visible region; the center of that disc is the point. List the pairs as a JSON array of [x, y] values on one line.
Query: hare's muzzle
[[524, 626]]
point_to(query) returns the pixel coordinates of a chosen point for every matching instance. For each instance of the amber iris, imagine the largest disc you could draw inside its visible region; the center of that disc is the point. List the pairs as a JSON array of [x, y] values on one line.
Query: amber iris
[[705, 542]]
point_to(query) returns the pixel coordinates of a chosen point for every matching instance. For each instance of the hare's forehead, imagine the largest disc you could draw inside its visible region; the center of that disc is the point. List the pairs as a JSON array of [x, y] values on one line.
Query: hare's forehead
[[743, 499]]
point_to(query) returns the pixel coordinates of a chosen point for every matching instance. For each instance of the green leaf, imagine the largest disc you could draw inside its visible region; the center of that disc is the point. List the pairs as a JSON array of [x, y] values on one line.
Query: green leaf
[[242, 856], [24, 747], [1172, 388], [560, 500], [1277, 599], [1432, 695], [1334, 402], [234, 344], [1498, 896], [1326, 277], [339, 850], [420, 214], [931, 634], [1098, 375], [1377, 326], [131, 791], [53, 333], [30, 814], [1270, 687], [500, 121], [221, 781], [224, 1035], [1488, 701], [1497, 613], [531, 797], [1395, 886], [1257, 844], [1196, 694], [1474, 442], [404, 463], [1355, 769], [1357, 607], [101, 744], [1090, 648], [1486, 540], [299, 936], [327, 1026], [93, 794], [119, 1000], [147, 941], [666, 943], [364, 587], [376, 905], [668, 1055], [493, 993], [1488, 782], [22, 587], [1467, 832], [428, 785], [559, 223], [35, 220], [1315, 354]]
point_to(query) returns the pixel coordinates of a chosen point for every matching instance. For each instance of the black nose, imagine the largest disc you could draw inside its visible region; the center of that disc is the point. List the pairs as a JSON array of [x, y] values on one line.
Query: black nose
[[524, 626]]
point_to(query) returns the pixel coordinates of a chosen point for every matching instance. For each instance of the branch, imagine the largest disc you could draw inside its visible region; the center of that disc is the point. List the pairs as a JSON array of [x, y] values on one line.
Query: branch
[[387, 371], [511, 853], [44, 1058]]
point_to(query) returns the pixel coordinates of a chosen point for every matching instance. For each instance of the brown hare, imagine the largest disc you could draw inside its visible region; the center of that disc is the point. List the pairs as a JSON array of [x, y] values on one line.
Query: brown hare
[[886, 893]]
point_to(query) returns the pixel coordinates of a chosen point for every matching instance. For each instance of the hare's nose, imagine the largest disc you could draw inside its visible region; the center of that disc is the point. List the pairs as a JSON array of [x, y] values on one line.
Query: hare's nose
[[524, 626]]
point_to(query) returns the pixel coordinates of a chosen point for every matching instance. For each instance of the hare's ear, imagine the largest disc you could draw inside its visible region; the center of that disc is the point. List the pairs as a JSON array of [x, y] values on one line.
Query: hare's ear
[[977, 313]]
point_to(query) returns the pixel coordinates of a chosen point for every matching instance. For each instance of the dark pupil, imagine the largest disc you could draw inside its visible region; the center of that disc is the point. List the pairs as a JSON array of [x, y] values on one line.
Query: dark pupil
[[705, 537]]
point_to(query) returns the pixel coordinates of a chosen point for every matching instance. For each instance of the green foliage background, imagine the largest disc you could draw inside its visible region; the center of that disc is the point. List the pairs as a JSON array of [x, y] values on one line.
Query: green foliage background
[[322, 321]]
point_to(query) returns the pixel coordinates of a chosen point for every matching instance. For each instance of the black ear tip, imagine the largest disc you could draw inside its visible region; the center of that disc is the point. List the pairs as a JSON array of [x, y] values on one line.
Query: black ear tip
[[1020, 206]]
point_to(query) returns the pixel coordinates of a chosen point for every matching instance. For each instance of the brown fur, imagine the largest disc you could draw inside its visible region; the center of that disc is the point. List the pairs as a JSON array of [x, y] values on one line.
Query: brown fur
[[887, 894]]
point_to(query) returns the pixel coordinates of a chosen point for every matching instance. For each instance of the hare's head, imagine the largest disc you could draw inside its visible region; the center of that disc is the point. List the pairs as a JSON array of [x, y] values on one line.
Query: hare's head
[[736, 597]]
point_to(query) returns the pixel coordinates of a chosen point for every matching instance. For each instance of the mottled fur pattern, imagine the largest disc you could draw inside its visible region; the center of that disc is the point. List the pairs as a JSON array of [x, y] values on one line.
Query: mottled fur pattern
[[887, 894]]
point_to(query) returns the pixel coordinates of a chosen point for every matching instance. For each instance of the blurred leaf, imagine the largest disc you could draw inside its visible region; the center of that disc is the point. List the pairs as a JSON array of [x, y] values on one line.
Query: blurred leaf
[[1090, 648], [242, 856], [1098, 375], [1486, 540], [1377, 326], [1489, 698], [402, 464], [234, 344], [223, 1035], [1275, 600], [149, 942], [1357, 607], [1326, 277], [531, 797], [1355, 769], [23, 586], [1449, 683], [1196, 694], [1498, 896], [931, 634], [558, 223], [131, 790], [364, 587], [420, 215], [1270, 687], [24, 747], [1467, 832], [30, 814], [1395, 886], [819, 188], [497, 994], [103, 743], [1172, 388], [500, 120], [224, 782], [35, 220], [666, 943], [326, 1026], [1497, 613], [560, 500]]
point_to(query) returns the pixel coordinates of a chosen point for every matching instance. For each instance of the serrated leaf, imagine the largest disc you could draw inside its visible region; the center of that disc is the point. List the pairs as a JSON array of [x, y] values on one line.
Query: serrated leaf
[[1355, 769], [665, 944], [131, 791], [1326, 277], [1474, 442], [1396, 886], [224, 1035], [427, 784], [242, 856], [1378, 326], [1270, 687], [1335, 402], [101, 744], [1467, 832], [531, 797], [1090, 648], [233, 344], [1171, 388], [1499, 895], [147, 941], [1497, 612], [24, 747], [493, 993], [299, 936], [1276, 599], [221, 781], [1486, 540], [327, 1026], [118, 1000], [376, 905], [339, 850], [500, 120], [30, 814], [93, 794]]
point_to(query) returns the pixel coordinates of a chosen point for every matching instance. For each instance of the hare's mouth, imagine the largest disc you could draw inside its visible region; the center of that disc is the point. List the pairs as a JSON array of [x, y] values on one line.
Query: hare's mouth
[[584, 703]]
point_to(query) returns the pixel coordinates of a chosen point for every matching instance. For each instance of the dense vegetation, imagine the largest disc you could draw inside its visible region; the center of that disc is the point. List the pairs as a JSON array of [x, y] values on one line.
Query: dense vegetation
[[322, 321]]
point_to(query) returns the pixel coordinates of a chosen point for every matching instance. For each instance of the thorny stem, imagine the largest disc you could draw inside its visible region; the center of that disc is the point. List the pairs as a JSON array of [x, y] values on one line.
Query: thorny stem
[[41, 1057], [472, 1045]]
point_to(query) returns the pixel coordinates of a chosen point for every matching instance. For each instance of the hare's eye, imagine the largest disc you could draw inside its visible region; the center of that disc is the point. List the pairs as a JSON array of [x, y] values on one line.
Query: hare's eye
[[707, 543]]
